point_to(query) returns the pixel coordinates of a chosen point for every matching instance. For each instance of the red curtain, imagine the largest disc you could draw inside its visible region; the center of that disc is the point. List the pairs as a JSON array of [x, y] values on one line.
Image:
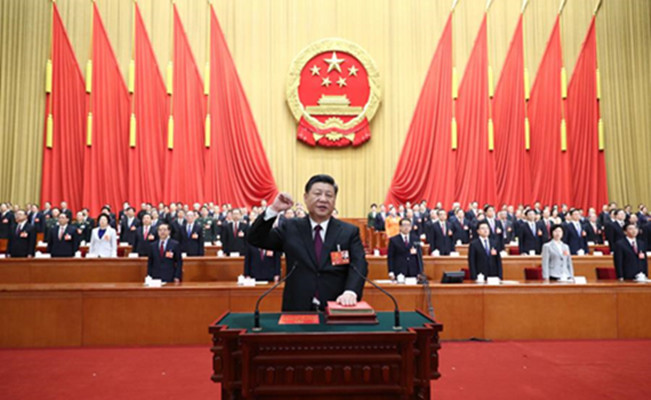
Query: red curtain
[[426, 166], [475, 174], [63, 162], [550, 168], [588, 166], [184, 164], [237, 170], [512, 174], [151, 109], [106, 160]]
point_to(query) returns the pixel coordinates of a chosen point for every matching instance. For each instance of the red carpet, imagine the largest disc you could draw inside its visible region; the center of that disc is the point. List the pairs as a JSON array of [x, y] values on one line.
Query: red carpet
[[502, 370]]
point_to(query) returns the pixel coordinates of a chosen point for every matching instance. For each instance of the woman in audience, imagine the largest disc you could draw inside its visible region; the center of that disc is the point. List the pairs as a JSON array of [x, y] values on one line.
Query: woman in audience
[[103, 239], [556, 258]]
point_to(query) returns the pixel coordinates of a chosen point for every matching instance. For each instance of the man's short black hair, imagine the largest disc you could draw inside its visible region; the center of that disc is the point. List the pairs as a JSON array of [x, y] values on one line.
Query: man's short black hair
[[403, 220], [626, 225], [131, 209], [487, 206], [529, 210], [483, 222], [321, 178], [373, 205]]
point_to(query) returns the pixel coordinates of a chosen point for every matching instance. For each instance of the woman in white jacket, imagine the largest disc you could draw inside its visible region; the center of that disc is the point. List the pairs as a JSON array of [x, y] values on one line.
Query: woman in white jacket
[[556, 257], [103, 239]]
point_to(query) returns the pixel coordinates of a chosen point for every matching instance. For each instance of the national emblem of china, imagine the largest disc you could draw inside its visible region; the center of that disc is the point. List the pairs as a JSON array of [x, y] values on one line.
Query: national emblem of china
[[333, 91]]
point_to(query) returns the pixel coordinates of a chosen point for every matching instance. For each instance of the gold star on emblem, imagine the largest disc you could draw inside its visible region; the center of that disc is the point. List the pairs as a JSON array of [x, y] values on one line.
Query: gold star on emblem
[[315, 70], [334, 62], [326, 81], [341, 82], [352, 71]]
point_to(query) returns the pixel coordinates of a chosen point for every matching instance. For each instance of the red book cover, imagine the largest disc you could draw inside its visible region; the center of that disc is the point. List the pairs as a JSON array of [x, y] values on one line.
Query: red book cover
[[298, 319]]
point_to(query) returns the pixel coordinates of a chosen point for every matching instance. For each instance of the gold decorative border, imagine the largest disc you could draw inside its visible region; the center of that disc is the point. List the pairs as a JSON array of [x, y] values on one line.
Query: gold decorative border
[[333, 44]]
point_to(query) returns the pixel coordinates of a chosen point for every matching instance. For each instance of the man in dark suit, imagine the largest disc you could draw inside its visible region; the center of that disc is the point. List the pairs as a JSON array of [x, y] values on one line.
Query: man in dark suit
[[483, 256], [575, 236], [473, 211], [404, 252], [6, 221], [22, 239], [630, 255], [36, 219], [529, 234], [544, 225], [192, 243], [440, 235], [615, 230], [311, 244], [63, 240], [65, 210], [84, 229], [496, 228], [461, 228], [165, 261], [234, 234], [380, 218], [262, 264], [593, 230], [146, 234], [507, 225], [177, 225], [128, 226]]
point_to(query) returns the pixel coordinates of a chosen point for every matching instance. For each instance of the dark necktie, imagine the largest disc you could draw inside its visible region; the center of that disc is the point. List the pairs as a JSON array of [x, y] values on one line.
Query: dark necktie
[[261, 254], [406, 242], [488, 251], [17, 230], [634, 244], [318, 243], [162, 248]]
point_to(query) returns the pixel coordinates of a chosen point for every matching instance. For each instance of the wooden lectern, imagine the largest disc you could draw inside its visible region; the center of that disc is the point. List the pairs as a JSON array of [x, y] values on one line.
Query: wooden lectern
[[320, 361]]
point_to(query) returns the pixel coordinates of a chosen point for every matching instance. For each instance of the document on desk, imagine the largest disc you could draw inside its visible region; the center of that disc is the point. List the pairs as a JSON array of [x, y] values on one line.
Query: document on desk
[[299, 319]]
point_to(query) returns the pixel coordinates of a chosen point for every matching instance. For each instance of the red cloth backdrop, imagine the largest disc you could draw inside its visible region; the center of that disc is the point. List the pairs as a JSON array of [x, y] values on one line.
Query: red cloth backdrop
[[63, 163], [426, 166], [550, 167], [237, 170], [512, 174], [475, 177], [588, 166], [184, 164], [106, 160], [147, 159]]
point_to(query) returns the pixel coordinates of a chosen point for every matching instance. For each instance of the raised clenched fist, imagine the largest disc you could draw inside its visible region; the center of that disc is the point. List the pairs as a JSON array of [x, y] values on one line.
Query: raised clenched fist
[[282, 202]]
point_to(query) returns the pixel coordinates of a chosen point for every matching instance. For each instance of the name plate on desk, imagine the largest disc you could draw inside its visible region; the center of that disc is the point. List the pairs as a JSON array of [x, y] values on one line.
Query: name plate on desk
[[298, 319]]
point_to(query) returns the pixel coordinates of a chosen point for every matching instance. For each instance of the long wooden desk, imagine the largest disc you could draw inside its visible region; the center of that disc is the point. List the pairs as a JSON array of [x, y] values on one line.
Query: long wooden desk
[[125, 314], [226, 269]]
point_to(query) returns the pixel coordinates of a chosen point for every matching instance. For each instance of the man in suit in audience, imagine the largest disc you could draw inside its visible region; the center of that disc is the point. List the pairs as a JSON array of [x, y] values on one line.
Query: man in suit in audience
[[643, 214], [6, 221], [208, 225], [22, 239], [473, 211], [544, 225], [65, 210], [630, 254], [496, 228], [604, 216], [483, 256], [146, 234], [404, 252], [193, 241], [36, 219], [593, 230], [165, 261], [440, 235], [234, 234], [508, 227], [461, 227], [177, 225], [63, 240], [261, 264], [615, 230], [128, 226], [575, 236], [529, 234], [84, 229], [370, 218], [380, 218]]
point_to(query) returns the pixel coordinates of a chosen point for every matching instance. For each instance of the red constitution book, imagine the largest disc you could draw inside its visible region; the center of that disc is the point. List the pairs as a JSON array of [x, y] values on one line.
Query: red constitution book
[[298, 319]]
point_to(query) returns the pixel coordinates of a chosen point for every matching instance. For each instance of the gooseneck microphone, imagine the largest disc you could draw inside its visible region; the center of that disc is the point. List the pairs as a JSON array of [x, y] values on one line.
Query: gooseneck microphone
[[256, 314], [422, 278], [396, 310]]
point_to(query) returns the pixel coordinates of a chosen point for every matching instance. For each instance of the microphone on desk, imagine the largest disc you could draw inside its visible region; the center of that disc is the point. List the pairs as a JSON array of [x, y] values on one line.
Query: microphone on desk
[[422, 278], [396, 310], [256, 314]]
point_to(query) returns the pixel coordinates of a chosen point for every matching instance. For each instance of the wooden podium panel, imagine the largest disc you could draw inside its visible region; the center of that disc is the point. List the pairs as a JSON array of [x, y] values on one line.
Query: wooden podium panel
[[325, 361]]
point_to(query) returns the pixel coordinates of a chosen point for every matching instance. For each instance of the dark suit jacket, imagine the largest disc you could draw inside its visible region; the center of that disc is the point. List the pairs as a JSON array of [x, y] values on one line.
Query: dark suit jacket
[[37, 220], [614, 233], [177, 229], [527, 241], [22, 243], [627, 262], [497, 234], [142, 244], [192, 244], [379, 221], [461, 230], [441, 242], [261, 264], [592, 235], [67, 246], [480, 262], [235, 243], [575, 240], [294, 238], [6, 224], [400, 259], [166, 267], [128, 232], [546, 234]]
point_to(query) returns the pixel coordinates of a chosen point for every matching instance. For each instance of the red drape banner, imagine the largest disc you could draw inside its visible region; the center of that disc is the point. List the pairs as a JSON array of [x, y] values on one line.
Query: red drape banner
[[237, 170], [184, 163], [588, 166], [151, 109], [106, 159], [65, 107], [426, 166], [550, 170], [512, 174], [475, 173]]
